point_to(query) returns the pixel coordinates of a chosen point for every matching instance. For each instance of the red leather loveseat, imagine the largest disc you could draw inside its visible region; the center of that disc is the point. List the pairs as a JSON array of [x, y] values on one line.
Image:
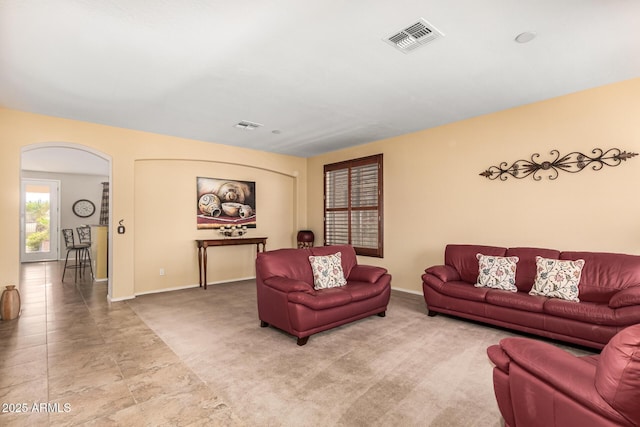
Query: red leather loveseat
[[538, 384], [288, 300], [608, 294]]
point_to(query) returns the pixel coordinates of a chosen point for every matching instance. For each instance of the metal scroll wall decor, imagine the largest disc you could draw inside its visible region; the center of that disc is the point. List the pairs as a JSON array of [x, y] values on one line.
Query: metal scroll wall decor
[[573, 162]]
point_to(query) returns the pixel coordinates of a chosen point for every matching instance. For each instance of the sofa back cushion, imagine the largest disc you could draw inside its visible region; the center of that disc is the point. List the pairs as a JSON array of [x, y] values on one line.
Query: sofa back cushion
[[618, 373], [604, 274], [347, 253], [526, 267], [290, 263], [463, 259]]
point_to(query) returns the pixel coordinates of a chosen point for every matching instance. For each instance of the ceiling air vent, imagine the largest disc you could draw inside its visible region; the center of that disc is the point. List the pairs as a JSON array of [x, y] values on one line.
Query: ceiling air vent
[[247, 125], [413, 36]]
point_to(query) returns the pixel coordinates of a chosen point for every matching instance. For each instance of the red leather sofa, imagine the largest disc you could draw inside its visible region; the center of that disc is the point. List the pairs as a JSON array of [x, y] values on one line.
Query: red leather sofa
[[538, 384], [287, 299], [609, 294]]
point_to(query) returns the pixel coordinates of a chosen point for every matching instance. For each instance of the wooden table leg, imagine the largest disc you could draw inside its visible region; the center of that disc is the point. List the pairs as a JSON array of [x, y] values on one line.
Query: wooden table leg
[[200, 264], [204, 270], [204, 244]]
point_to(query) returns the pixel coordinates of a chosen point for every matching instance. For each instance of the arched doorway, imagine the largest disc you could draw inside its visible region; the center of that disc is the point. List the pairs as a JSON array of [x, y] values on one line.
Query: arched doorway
[[82, 173]]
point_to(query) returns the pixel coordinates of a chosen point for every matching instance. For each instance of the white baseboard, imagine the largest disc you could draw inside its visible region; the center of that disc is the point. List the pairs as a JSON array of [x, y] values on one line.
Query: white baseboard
[[408, 291], [219, 282], [231, 280], [158, 291], [120, 299], [178, 288]]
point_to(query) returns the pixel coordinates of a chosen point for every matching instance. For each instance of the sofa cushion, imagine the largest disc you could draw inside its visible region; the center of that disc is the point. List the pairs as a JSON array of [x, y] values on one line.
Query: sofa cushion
[[587, 312], [605, 273], [618, 373], [526, 272], [463, 258], [323, 299], [557, 278], [327, 271], [516, 300], [364, 290], [497, 272]]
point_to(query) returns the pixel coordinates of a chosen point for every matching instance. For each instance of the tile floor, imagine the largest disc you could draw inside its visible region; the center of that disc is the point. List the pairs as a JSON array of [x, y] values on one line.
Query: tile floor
[[73, 358]]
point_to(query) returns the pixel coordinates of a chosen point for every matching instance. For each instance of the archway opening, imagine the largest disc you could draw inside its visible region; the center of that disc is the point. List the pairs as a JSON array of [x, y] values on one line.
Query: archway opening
[[82, 174]]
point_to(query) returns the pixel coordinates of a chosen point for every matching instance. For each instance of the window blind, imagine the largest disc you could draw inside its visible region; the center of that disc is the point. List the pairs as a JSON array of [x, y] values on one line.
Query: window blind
[[353, 204]]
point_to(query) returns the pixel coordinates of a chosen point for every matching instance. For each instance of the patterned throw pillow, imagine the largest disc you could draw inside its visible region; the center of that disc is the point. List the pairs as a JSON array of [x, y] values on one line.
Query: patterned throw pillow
[[327, 271], [497, 272], [557, 278]]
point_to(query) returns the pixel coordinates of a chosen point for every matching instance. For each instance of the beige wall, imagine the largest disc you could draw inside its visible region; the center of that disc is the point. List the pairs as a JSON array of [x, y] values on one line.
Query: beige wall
[[434, 195], [127, 149], [165, 225]]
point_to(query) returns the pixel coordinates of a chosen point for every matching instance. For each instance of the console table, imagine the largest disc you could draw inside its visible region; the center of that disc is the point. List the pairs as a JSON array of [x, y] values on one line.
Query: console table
[[204, 244]]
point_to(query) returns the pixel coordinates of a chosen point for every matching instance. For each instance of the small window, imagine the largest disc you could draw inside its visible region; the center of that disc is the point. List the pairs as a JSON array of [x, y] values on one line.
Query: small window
[[353, 205]]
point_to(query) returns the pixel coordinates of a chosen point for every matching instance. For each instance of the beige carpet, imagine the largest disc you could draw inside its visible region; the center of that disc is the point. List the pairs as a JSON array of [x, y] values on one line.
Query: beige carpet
[[406, 369]]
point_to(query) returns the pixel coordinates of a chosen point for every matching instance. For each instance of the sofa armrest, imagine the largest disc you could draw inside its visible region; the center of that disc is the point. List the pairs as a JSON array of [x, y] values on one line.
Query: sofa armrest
[[565, 372], [446, 273], [499, 358], [625, 297], [366, 273], [284, 284]]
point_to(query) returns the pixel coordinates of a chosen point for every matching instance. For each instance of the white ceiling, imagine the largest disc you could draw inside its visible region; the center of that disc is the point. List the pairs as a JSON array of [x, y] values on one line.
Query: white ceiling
[[316, 74]]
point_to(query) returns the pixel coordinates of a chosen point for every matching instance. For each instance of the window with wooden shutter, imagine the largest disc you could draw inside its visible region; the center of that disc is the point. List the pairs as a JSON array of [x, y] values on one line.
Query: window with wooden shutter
[[353, 205]]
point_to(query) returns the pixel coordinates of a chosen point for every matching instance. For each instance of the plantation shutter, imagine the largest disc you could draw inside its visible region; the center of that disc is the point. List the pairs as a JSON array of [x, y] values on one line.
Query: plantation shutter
[[337, 204], [353, 204]]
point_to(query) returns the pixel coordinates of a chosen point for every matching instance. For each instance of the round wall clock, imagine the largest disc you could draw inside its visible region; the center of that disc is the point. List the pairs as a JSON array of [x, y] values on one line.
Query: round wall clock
[[84, 208]]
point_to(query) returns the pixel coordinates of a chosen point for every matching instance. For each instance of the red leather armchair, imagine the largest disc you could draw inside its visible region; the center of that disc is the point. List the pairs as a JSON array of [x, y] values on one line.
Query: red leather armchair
[[287, 299], [538, 384]]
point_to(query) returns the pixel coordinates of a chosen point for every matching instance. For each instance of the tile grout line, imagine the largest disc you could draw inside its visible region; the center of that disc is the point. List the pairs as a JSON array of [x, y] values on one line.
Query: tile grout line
[[46, 334], [118, 365], [99, 329]]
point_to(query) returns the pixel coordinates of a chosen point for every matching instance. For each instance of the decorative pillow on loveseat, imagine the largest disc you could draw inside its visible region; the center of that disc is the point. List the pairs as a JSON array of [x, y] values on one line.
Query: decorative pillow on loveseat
[[557, 278], [327, 271], [497, 272]]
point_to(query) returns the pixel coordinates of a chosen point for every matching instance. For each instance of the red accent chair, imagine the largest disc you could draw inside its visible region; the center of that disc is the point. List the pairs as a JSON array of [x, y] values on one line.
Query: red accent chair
[[287, 299], [538, 384]]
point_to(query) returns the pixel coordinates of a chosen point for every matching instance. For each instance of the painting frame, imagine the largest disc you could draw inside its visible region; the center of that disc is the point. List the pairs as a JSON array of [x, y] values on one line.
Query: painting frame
[[222, 202]]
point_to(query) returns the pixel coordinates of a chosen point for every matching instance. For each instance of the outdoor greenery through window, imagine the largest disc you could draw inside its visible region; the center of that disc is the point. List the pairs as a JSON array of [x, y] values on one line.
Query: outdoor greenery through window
[[353, 205], [37, 225]]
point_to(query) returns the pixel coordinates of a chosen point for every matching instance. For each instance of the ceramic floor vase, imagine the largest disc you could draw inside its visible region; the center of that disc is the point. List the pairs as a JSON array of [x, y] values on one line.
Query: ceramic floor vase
[[10, 303]]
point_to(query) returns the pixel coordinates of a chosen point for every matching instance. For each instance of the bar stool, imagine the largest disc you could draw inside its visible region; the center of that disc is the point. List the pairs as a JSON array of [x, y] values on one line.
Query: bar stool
[[80, 250], [84, 237]]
